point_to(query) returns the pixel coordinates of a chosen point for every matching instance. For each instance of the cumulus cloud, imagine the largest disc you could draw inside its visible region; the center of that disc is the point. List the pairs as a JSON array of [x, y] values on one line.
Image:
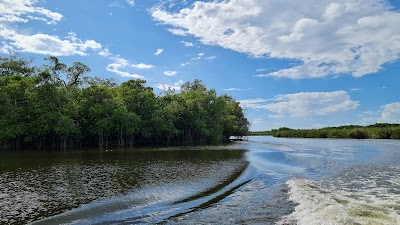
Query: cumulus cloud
[[176, 86], [21, 11], [142, 66], [390, 113], [159, 51], [328, 38], [304, 104], [118, 67], [16, 10], [104, 52], [170, 73], [47, 44]]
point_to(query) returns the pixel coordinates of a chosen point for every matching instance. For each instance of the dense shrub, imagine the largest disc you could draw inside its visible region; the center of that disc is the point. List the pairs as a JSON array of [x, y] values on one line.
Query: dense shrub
[[377, 131], [358, 134]]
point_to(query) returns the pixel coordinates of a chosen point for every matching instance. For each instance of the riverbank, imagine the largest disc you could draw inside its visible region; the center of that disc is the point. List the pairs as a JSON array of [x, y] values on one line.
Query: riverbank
[[58, 107], [376, 131]]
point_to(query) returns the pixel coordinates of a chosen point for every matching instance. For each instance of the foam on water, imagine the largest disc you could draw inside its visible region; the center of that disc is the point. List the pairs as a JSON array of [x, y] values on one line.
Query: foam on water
[[360, 195]]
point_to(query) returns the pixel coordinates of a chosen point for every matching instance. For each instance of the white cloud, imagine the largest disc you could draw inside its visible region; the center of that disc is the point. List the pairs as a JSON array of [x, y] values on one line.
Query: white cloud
[[119, 4], [258, 120], [21, 11], [15, 10], [142, 66], [5, 48], [327, 37], [201, 54], [48, 44], [390, 113], [184, 64], [369, 113], [117, 67], [116, 4], [187, 44], [159, 51], [252, 103], [196, 58], [170, 73], [179, 32], [304, 104], [130, 2], [233, 89], [105, 52], [176, 86], [210, 58], [260, 70]]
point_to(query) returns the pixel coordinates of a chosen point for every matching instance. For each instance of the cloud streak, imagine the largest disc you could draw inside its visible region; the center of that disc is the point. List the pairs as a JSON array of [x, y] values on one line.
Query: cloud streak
[[176, 86], [142, 66], [187, 44], [233, 89], [170, 73]]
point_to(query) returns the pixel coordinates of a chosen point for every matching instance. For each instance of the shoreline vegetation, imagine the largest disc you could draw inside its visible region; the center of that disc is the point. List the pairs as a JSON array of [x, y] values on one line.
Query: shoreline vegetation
[[376, 131], [56, 106]]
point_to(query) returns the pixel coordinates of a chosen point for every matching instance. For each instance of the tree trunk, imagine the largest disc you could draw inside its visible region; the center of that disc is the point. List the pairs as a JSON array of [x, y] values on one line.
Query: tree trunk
[[101, 140]]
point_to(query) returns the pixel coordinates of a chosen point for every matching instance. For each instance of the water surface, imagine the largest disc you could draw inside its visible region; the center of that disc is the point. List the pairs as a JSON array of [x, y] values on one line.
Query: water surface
[[261, 181]]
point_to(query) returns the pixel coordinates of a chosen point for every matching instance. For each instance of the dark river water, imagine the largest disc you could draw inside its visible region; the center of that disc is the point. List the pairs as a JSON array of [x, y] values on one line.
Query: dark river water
[[261, 181]]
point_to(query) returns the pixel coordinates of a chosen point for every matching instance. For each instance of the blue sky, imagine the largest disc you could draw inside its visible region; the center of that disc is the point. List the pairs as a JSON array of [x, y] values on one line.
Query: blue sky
[[299, 64]]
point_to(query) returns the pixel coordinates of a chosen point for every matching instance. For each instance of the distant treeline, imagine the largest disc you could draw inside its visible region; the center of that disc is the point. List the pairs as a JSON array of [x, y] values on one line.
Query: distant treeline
[[55, 106], [376, 131], [261, 133]]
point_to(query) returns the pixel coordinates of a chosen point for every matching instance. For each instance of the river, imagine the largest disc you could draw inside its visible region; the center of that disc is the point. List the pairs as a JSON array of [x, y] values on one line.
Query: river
[[264, 180]]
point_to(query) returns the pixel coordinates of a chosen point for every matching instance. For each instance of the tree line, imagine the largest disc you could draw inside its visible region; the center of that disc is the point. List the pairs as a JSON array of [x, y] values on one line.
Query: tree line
[[376, 131], [56, 106]]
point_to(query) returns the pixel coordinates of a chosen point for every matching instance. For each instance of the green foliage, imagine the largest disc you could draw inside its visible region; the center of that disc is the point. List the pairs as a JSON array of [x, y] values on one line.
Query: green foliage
[[376, 131], [260, 133], [58, 106], [13, 65], [358, 134]]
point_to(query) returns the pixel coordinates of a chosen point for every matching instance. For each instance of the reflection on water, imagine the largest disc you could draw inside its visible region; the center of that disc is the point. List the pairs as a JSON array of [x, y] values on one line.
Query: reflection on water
[[262, 181], [51, 184]]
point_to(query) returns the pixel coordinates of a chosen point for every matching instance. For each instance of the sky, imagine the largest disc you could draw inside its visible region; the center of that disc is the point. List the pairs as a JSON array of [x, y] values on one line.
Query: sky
[[297, 64]]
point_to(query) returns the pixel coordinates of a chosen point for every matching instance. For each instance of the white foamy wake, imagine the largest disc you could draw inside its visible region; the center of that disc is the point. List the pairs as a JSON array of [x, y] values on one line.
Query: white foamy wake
[[360, 196]]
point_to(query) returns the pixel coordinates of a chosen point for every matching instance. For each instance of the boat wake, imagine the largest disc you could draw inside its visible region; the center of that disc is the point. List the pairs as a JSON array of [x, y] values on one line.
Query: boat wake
[[359, 195]]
